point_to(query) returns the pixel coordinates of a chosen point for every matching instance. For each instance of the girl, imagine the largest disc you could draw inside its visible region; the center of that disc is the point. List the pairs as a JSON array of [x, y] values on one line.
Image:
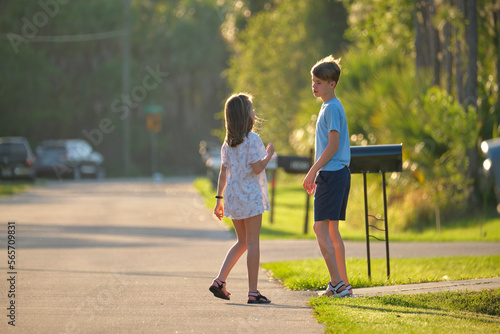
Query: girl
[[243, 180]]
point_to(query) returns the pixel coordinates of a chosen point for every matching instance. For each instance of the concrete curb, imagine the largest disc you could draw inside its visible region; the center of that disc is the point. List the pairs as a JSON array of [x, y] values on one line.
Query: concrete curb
[[469, 285]]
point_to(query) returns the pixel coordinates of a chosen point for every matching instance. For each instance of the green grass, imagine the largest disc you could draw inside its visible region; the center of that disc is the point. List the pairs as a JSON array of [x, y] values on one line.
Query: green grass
[[11, 188], [311, 274], [289, 216], [443, 312]]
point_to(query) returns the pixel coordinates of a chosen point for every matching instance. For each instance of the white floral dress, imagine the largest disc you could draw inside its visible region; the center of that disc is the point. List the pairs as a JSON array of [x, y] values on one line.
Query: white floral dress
[[246, 193]]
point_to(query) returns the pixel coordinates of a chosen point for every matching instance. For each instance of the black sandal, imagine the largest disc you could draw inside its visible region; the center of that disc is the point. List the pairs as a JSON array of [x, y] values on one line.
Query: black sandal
[[217, 290], [259, 299]]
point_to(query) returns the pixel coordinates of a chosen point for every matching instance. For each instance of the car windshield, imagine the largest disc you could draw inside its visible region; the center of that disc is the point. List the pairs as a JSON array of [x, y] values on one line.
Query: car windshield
[[16, 150], [51, 154]]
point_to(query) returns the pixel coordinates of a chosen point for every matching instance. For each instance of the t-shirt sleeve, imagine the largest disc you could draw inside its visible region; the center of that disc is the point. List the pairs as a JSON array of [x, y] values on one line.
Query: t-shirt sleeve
[[332, 118], [256, 149]]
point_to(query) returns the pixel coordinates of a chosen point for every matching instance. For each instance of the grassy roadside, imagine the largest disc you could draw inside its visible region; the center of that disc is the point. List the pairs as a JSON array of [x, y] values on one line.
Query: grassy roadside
[[446, 312], [443, 312], [11, 188], [311, 274]]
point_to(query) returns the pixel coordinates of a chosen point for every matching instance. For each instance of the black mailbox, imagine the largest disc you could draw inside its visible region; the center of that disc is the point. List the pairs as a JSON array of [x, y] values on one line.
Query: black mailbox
[[491, 148], [294, 165], [364, 159], [376, 159]]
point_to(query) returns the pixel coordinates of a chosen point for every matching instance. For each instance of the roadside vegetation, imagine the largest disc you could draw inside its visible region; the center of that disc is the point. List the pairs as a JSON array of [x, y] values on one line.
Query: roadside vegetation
[[11, 188], [311, 274], [443, 312]]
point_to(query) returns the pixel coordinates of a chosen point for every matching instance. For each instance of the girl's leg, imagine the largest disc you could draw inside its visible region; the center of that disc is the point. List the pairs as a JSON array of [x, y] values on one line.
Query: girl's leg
[[338, 244], [321, 228], [235, 251], [253, 226]]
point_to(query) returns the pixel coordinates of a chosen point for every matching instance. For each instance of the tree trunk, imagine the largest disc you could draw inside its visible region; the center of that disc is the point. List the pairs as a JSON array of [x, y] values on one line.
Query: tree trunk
[[447, 58], [471, 38], [420, 44], [434, 42], [471, 92], [459, 71]]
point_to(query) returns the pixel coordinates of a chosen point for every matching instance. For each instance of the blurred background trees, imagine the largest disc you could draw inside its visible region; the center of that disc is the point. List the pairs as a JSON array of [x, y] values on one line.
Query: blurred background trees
[[423, 73]]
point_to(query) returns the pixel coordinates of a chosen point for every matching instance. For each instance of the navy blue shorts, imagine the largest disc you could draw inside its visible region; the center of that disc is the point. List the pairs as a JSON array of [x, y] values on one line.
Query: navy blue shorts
[[332, 192]]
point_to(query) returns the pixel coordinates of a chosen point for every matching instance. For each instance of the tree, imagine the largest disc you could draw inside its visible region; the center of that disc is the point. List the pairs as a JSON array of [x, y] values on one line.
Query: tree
[[65, 87], [273, 56]]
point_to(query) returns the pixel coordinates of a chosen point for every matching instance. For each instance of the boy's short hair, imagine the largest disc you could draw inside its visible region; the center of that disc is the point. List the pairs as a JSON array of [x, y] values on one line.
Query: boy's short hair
[[327, 69]]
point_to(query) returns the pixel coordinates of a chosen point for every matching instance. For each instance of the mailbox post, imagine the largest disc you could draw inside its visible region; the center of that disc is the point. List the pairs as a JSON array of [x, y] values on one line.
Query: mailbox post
[[376, 159], [297, 165]]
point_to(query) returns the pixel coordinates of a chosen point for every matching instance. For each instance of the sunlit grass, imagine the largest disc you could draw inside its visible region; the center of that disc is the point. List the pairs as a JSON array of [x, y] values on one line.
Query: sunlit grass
[[443, 312], [11, 188], [312, 274]]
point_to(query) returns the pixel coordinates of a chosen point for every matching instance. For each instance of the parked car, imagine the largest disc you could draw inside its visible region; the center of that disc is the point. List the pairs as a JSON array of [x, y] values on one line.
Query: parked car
[[17, 160], [69, 158]]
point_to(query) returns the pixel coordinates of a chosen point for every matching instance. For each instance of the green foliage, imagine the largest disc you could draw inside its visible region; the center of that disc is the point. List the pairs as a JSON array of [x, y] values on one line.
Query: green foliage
[[11, 188], [488, 101], [382, 25], [312, 274], [273, 57], [436, 131], [59, 89]]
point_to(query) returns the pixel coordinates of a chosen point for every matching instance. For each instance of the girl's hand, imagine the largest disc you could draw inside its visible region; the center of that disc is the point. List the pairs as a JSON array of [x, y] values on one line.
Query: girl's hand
[[219, 209], [309, 184], [270, 149]]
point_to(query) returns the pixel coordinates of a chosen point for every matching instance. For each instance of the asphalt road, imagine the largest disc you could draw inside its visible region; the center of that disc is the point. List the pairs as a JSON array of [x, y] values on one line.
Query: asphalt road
[[129, 257], [137, 256]]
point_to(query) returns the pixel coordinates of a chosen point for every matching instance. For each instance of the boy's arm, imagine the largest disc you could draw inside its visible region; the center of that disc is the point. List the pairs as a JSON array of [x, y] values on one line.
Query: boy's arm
[[330, 150], [221, 186]]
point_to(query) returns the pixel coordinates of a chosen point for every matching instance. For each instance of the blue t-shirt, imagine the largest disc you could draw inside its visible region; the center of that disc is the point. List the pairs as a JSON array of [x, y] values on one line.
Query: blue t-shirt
[[332, 117]]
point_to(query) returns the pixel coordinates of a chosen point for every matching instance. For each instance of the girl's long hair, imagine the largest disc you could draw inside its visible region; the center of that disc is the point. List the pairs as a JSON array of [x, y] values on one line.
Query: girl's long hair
[[238, 121]]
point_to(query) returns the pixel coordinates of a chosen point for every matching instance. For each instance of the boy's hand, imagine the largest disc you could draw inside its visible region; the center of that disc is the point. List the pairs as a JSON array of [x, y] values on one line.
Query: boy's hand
[[219, 210], [308, 183]]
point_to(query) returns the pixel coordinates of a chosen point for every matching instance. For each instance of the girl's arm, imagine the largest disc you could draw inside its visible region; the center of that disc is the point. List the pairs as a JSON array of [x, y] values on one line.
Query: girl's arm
[[330, 150], [221, 186], [260, 165]]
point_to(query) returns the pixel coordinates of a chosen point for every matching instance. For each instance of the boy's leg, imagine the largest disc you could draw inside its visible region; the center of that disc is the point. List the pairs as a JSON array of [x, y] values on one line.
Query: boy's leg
[[235, 251], [338, 244], [321, 228], [253, 226]]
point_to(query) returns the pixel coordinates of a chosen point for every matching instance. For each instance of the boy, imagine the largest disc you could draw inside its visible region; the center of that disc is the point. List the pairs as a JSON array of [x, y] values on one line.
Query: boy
[[330, 178]]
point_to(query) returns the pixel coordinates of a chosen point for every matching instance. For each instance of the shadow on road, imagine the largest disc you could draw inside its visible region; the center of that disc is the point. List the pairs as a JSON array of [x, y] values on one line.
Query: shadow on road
[[46, 236]]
